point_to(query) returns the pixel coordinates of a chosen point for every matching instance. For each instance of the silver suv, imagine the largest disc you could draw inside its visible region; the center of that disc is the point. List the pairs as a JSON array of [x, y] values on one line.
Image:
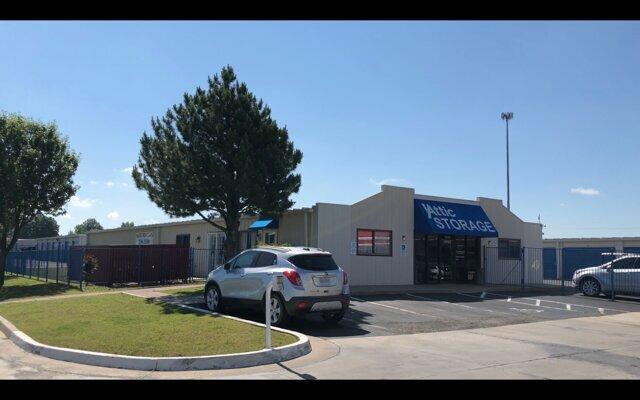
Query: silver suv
[[592, 281], [307, 280]]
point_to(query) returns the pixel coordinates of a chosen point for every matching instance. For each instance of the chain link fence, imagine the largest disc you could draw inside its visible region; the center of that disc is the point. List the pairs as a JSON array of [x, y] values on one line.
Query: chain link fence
[[615, 273]]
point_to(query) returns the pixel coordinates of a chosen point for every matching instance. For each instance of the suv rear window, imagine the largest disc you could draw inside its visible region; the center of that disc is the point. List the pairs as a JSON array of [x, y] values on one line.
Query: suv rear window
[[314, 262]]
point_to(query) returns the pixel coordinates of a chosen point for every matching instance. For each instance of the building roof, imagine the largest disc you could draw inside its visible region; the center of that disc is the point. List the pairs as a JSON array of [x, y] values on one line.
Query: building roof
[[584, 239]]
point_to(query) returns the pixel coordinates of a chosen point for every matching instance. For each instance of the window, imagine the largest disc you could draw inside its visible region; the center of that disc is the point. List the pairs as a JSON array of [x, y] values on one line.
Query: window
[[372, 242], [624, 263], [245, 260], [266, 259], [509, 249], [183, 240], [314, 262], [270, 238]]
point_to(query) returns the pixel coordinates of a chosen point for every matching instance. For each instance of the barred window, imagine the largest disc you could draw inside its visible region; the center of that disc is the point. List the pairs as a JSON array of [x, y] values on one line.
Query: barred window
[[509, 249], [374, 242]]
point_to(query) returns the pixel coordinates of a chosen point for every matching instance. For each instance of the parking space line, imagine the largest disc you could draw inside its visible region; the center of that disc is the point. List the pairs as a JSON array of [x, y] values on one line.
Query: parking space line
[[519, 302], [392, 307], [437, 301], [456, 304], [599, 309]]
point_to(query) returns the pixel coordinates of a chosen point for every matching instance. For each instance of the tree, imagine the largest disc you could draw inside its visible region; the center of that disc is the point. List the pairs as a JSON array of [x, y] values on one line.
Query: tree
[[41, 226], [219, 154], [127, 224], [36, 176], [89, 225]]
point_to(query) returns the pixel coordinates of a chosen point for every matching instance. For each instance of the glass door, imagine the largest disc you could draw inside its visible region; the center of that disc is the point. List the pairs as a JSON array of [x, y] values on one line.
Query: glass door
[[446, 264], [460, 259], [473, 258], [433, 258], [419, 259]]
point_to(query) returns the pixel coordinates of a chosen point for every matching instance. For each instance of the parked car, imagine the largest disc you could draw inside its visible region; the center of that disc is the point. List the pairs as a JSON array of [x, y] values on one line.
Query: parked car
[[308, 281], [592, 281]]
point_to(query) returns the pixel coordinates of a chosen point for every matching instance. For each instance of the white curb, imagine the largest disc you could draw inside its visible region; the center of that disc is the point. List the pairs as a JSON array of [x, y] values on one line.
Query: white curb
[[223, 361]]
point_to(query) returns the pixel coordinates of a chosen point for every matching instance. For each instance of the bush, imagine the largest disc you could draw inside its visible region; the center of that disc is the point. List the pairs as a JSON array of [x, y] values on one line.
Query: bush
[[89, 266]]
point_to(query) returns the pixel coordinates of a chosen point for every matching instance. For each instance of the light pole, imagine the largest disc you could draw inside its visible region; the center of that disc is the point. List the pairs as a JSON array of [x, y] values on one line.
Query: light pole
[[507, 116]]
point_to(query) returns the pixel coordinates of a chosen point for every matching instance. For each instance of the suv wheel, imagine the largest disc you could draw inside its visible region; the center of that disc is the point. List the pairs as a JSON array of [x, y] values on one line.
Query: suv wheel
[[590, 287], [213, 299], [333, 317], [278, 312]]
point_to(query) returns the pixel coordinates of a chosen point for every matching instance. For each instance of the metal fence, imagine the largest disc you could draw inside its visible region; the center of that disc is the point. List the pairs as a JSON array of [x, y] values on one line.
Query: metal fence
[[158, 264], [150, 264], [48, 265], [203, 261], [525, 269], [615, 273]]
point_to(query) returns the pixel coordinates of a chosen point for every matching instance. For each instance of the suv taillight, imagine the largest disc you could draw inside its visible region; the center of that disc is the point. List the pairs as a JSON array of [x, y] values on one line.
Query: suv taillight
[[293, 277], [345, 278]]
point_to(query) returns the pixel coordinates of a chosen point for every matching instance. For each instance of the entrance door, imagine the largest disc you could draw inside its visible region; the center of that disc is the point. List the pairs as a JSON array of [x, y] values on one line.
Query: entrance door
[[442, 258], [447, 261], [216, 249], [473, 259], [460, 259]]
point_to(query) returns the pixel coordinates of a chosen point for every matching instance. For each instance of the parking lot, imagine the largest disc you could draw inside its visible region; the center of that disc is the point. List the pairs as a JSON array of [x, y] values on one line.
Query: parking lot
[[382, 315]]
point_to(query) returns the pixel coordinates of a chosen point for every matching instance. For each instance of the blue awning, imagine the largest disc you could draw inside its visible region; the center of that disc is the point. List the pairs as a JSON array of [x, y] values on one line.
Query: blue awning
[[264, 224], [437, 217]]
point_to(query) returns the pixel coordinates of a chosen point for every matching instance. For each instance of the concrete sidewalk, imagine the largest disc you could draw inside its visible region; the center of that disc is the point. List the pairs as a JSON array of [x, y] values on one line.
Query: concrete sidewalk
[[578, 348]]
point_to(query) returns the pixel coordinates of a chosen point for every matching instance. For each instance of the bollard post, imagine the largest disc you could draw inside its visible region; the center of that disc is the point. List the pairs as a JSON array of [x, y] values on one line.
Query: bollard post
[[267, 311]]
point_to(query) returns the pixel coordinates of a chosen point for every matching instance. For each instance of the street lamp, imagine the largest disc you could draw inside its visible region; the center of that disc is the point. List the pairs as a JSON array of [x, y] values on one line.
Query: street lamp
[[507, 116]]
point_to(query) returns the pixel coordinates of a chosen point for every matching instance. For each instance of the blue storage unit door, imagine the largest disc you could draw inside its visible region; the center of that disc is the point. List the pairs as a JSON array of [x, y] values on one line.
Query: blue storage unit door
[[635, 250], [549, 264], [583, 257]]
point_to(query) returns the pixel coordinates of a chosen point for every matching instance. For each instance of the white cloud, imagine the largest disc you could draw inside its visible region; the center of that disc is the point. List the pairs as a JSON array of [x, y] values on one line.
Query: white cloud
[[386, 181], [127, 170], [65, 216], [110, 184], [151, 221], [585, 191], [93, 182], [562, 205], [82, 203], [113, 215]]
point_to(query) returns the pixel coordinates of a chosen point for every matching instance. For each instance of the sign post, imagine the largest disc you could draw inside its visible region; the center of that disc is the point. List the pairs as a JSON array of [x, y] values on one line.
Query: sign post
[[267, 301]]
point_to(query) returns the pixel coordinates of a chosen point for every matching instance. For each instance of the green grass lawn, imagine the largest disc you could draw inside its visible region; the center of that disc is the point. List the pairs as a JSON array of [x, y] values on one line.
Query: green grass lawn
[[128, 325], [188, 291], [16, 287]]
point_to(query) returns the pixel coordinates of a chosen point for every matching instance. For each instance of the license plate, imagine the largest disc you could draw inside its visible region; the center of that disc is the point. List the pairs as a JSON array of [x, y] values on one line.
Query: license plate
[[327, 305], [323, 280]]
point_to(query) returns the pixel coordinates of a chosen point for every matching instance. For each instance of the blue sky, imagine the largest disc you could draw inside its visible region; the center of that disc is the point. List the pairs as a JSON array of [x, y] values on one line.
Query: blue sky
[[408, 103]]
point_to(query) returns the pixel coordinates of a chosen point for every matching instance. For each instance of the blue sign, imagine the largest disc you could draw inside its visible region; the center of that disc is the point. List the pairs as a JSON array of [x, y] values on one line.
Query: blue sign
[[438, 217]]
